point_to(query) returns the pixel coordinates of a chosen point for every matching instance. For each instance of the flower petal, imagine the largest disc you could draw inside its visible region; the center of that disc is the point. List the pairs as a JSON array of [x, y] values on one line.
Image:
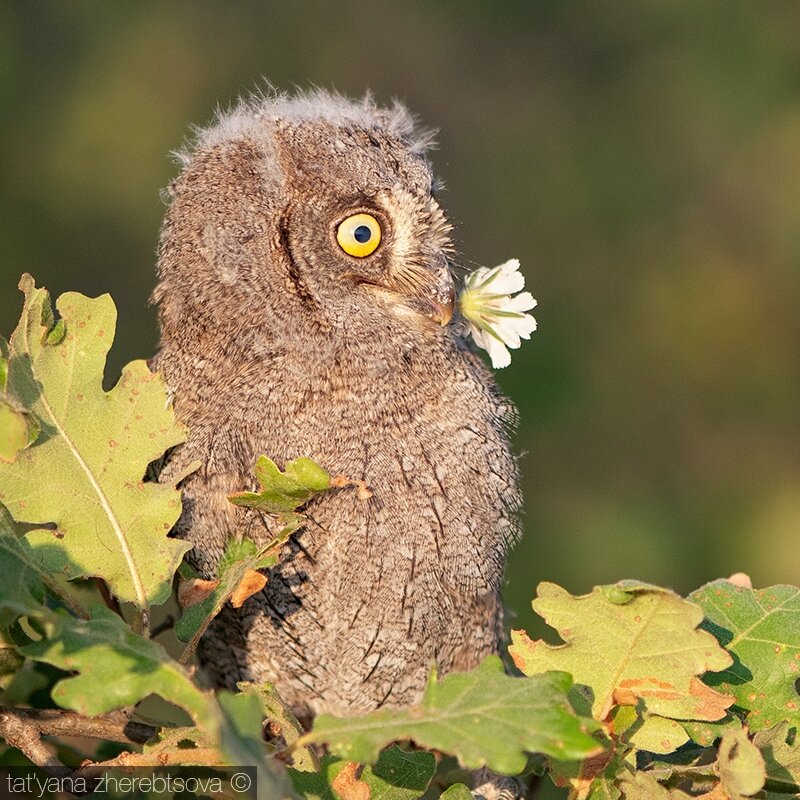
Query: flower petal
[[497, 353], [507, 283], [522, 302]]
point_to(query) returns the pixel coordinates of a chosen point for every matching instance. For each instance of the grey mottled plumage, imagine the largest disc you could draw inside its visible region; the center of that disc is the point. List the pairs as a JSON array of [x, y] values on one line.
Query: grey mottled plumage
[[276, 341]]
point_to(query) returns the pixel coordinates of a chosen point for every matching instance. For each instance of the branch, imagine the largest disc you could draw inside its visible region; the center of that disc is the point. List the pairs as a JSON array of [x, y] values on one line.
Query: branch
[[51, 722], [23, 729], [25, 736]]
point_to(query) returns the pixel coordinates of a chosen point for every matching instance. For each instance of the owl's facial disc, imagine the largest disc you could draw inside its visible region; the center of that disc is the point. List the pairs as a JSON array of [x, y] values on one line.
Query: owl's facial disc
[[421, 281]]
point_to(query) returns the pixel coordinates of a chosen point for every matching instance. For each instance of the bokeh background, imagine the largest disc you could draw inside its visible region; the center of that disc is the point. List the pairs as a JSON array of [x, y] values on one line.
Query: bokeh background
[[641, 159]]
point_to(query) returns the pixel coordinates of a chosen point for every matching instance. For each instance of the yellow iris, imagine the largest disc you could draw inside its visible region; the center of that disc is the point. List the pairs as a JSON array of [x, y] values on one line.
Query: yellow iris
[[359, 235]]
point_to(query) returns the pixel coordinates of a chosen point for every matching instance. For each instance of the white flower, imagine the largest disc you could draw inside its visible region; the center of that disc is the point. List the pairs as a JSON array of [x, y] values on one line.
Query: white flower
[[493, 306]]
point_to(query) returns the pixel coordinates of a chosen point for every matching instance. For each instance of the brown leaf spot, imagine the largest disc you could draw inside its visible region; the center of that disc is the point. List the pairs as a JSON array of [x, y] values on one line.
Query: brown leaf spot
[[631, 689], [112, 443], [250, 583], [712, 704], [347, 785], [515, 651], [194, 591]]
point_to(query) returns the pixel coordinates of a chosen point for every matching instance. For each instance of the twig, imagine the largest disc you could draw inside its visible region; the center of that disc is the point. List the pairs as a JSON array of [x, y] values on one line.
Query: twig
[[51, 722], [202, 756], [166, 624], [141, 622], [25, 736]]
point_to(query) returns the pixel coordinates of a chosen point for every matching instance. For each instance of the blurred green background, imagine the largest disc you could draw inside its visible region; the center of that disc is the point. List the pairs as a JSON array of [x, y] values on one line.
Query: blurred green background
[[642, 159]]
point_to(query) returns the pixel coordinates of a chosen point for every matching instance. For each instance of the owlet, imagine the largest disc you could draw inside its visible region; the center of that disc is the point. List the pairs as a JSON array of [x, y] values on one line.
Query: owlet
[[305, 297]]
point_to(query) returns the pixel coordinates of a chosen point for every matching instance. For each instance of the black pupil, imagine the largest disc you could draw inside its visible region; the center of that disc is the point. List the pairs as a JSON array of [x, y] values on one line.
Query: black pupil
[[362, 234]]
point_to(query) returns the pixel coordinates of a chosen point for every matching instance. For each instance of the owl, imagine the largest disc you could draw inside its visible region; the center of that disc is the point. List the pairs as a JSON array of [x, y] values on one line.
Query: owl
[[306, 294]]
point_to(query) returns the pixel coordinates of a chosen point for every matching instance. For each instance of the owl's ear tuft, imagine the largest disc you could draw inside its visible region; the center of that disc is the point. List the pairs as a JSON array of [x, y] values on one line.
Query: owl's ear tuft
[[400, 122], [254, 115]]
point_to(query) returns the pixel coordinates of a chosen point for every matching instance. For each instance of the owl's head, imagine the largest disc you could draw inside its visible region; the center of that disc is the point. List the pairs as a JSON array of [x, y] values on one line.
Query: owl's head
[[305, 215]]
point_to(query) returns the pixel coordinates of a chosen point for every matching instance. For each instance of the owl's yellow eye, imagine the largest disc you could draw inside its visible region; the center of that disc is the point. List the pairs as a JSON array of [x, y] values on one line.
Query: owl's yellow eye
[[359, 235]]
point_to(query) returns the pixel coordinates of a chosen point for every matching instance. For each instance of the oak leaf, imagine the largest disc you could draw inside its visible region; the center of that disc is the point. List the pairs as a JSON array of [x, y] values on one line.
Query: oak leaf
[[84, 472], [483, 717], [628, 643], [761, 629]]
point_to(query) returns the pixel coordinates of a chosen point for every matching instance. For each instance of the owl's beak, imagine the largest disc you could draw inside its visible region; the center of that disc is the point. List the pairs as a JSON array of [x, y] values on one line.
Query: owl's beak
[[428, 291], [443, 311]]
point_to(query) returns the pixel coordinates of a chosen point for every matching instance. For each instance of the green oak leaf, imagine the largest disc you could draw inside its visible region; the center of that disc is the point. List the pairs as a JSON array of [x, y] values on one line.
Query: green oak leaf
[[284, 492], [115, 667], [740, 765], [317, 785], [10, 659], [780, 749], [646, 648], [397, 775], [84, 472], [641, 786], [239, 557], [658, 735], [761, 629], [706, 733], [483, 717], [458, 791], [21, 588], [242, 742], [24, 579], [278, 712], [14, 432]]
